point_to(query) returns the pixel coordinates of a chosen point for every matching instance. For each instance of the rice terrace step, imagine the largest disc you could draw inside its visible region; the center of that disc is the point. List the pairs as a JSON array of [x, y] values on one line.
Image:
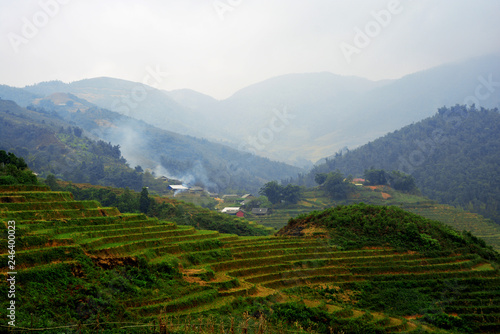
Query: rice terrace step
[[139, 268]]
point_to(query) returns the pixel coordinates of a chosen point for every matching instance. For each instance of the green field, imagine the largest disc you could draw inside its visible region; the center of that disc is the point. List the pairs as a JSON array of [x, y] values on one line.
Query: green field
[[83, 267]]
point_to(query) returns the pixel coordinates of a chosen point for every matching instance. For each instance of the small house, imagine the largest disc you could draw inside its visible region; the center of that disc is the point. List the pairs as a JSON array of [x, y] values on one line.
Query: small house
[[260, 211], [358, 181], [240, 214], [196, 189], [231, 210], [230, 197], [177, 187]]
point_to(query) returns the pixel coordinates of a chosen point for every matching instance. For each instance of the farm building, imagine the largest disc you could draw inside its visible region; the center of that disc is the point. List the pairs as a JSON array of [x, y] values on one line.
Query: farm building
[[230, 197], [260, 211], [177, 187], [230, 210]]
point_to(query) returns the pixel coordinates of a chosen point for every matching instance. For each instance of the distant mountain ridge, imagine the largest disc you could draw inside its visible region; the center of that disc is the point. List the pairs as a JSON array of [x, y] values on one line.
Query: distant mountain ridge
[[327, 112], [332, 112]]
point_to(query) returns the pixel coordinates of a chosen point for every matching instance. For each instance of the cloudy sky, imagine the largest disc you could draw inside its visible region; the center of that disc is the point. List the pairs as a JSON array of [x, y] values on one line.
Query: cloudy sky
[[219, 46]]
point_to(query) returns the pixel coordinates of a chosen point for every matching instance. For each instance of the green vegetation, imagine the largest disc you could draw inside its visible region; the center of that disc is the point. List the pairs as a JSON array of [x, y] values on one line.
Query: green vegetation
[[55, 146], [276, 193], [163, 208], [360, 225], [318, 198], [335, 185], [453, 157], [396, 179], [14, 170], [352, 268], [52, 146]]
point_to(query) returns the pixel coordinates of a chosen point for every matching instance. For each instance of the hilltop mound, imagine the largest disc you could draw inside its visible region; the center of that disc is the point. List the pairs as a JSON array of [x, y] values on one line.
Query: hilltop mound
[[361, 225]]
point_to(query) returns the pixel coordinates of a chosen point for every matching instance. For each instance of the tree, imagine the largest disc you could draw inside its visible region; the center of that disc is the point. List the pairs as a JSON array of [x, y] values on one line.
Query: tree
[[272, 190], [51, 182], [376, 176], [260, 202], [320, 178], [14, 170], [291, 193], [144, 200], [336, 186], [401, 181], [127, 201], [78, 132]]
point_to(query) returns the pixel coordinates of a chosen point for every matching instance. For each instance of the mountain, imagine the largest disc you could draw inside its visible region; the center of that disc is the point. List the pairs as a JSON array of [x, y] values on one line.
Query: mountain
[[329, 112], [192, 99], [192, 160], [131, 99], [296, 118], [20, 95], [453, 156], [51, 145]]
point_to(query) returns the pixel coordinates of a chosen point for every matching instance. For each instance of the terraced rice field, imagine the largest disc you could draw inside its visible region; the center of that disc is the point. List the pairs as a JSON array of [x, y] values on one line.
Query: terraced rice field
[[479, 226], [54, 231]]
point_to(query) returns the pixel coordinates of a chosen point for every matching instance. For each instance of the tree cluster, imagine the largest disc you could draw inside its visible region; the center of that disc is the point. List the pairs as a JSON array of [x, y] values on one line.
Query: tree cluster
[[396, 179], [276, 193], [335, 184], [14, 170]]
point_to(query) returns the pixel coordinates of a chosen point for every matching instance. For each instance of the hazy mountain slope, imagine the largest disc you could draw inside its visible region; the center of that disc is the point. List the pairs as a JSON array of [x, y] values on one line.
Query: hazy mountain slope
[[330, 112], [187, 158], [454, 157], [418, 95], [192, 99], [284, 116], [131, 99], [19, 95], [51, 145], [297, 117]]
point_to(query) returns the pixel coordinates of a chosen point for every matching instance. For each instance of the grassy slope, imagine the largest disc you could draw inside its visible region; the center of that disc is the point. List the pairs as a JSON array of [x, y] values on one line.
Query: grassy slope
[[106, 266], [315, 199]]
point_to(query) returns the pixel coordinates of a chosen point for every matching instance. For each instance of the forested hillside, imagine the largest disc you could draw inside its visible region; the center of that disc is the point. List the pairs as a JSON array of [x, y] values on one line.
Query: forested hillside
[[52, 133], [53, 146], [453, 156], [193, 160]]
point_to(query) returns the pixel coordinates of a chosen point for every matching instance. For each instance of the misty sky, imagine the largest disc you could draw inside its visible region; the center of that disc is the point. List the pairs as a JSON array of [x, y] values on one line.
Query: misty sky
[[217, 47]]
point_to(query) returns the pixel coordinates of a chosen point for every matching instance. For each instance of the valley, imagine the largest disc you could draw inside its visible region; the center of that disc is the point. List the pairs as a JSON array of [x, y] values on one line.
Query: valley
[[179, 213]]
